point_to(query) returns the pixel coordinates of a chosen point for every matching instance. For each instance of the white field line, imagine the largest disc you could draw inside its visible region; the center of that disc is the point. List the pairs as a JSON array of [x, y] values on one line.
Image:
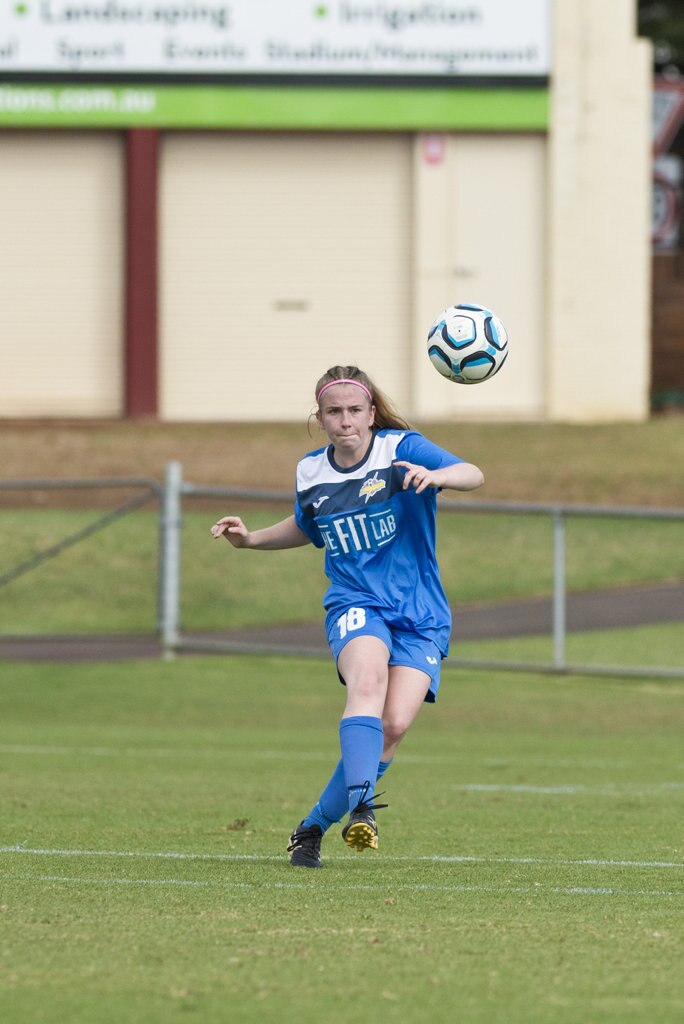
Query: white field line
[[601, 789], [297, 755], [167, 752], [264, 858], [177, 754], [387, 887]]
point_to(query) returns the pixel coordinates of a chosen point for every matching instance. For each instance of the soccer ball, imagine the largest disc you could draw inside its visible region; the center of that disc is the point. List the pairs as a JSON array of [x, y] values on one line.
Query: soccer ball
[[467, 344]]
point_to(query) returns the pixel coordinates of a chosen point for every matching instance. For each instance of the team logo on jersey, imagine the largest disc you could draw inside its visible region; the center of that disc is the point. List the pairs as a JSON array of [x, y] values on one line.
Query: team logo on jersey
[[371, 486]]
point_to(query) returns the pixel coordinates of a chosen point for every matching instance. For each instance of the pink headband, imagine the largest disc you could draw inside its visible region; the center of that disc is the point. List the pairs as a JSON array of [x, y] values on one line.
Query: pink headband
[[345, 380]]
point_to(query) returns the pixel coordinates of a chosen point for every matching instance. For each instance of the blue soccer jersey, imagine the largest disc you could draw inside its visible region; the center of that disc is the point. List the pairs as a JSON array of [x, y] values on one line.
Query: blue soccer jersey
[[379, 539]]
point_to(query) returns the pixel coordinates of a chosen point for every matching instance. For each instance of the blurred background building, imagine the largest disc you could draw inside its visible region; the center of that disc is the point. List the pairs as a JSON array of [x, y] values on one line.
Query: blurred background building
[[206, 204]]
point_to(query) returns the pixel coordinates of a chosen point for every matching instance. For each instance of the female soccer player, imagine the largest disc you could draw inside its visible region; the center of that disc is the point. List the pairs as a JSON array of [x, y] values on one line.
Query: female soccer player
[[369, 498]]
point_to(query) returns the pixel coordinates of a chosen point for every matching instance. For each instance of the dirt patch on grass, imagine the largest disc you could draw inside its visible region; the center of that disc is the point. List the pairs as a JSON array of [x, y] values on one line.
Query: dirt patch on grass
[[624, 464]]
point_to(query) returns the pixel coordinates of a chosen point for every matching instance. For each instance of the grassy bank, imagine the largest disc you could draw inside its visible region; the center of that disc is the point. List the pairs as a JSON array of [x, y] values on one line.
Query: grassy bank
[[616, 463]]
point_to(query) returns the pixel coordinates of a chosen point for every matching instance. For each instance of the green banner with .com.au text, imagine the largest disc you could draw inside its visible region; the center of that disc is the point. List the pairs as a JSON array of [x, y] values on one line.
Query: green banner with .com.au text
[[249, 107]]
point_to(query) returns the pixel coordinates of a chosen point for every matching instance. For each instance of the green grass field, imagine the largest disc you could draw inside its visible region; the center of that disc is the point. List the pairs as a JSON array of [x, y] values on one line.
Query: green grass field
[[530, 871], [640, 646]]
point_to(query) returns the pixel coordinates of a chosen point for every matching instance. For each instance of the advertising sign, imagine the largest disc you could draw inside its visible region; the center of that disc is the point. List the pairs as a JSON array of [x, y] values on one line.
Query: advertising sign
[[274, 39]]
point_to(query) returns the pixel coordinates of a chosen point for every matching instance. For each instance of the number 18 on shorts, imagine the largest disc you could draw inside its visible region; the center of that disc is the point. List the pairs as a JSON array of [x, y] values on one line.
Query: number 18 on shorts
[[405, 648]]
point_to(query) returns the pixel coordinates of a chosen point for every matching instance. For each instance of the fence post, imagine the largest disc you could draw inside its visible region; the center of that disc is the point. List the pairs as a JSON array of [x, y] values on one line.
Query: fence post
[[558, 590], [169, 586]]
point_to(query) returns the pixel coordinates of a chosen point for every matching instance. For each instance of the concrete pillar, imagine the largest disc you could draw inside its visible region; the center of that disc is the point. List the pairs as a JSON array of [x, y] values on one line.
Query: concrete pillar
[[599, 195]]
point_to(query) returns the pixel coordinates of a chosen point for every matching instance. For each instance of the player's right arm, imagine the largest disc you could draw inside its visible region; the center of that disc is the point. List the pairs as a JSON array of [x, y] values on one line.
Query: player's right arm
[[285, 534]]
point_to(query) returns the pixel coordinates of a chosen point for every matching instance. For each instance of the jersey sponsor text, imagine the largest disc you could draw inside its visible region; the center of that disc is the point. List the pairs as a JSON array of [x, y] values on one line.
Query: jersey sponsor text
[[359, 531]]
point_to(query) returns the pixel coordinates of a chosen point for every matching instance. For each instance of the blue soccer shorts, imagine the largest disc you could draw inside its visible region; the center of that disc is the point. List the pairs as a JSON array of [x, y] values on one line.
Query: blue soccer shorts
[[405, 648]]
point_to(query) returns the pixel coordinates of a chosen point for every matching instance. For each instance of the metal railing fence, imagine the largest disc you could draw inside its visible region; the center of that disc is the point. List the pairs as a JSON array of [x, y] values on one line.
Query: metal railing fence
[[150, 490], [175, 488]]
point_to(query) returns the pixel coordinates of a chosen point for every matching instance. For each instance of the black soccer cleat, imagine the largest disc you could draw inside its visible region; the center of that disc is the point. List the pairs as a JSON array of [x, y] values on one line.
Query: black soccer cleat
[[361, 831], [304, 847]]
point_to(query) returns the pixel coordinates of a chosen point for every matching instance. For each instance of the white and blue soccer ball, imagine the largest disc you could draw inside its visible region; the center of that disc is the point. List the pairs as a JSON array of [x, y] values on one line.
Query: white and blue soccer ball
[[467, 343]]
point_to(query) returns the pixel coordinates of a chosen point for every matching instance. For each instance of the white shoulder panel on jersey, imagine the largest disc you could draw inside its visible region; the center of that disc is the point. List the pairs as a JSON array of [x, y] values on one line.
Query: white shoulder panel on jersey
[[315, 470]]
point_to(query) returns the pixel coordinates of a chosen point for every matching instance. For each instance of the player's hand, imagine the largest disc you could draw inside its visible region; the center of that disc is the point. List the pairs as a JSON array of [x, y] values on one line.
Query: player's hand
[[417, 477], [233, 529]]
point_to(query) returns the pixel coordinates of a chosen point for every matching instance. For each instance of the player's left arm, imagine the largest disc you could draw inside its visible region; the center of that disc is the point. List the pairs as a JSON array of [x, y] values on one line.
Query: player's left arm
[[460, 476]]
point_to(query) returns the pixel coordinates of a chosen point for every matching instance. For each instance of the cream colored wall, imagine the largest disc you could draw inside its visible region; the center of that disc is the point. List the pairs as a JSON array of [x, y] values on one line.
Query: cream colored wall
[[61, 274], [480, 237], [599, 198], [298, 251], [553, 234], [283, 253], [280, 256]]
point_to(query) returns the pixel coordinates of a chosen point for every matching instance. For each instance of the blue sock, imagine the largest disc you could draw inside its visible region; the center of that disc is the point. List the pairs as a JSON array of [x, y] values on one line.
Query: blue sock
[[361, 742], [333, 802]]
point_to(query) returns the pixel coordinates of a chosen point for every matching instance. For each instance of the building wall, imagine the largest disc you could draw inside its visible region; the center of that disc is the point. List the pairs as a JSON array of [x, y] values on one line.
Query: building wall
[[282, 253], [61, 202], [599, 215], [480, 236]]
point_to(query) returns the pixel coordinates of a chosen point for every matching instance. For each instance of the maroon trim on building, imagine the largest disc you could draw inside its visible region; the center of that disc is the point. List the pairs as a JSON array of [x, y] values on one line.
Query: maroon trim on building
[[141, 363]]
